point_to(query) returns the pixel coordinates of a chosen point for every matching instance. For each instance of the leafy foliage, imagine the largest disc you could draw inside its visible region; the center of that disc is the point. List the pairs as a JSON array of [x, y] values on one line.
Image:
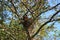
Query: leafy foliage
[[11, 19]]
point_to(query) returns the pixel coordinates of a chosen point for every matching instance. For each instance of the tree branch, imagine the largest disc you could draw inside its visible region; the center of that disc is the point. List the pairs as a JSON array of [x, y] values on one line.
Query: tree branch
[[47, 10], [28, 9], [43, 12], [15, 9], [45, 24]]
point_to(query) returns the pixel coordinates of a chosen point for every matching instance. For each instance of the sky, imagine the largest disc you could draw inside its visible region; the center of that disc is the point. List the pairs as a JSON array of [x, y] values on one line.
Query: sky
[[57, 24], [51, 12]]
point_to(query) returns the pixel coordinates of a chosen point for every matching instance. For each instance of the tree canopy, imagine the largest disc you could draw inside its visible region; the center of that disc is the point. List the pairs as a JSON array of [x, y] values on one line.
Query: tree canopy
[[29, 19]]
